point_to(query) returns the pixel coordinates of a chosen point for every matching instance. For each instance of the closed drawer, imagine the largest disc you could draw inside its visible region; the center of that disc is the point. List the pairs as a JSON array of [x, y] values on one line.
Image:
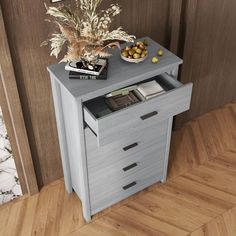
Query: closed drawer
[[113, 126], [125, 149], [101, 177], [112, 193]]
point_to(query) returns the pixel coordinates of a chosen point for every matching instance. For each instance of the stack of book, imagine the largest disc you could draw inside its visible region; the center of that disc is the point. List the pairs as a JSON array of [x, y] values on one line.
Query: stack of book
[[149, 90], [85, 76]]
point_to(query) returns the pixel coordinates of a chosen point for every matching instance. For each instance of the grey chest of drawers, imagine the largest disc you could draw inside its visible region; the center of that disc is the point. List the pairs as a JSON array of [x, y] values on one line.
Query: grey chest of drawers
[[109, 158]]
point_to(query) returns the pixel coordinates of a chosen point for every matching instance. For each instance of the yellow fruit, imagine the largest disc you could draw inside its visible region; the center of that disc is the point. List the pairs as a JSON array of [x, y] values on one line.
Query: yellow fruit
[[143, 55], [138, 50], [136, 56], [135, 51], [154, 60], [131, 52], [160, 52], [141, 46], [125, 54]]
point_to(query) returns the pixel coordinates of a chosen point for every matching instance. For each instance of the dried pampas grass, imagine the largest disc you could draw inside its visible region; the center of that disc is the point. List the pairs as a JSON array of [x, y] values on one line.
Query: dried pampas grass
[[85, 31]]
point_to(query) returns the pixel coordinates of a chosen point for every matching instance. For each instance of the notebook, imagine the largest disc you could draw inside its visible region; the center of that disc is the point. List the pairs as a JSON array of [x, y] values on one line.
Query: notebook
[[149, 90]]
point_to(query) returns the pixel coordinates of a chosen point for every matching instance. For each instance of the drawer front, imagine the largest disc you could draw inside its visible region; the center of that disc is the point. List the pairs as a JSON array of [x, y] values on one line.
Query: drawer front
[[102, 176], [124, 149], [124, 188], [142, 115]]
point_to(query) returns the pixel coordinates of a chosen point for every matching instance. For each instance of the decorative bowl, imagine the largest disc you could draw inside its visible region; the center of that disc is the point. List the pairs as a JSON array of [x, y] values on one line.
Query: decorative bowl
[[133, 60]]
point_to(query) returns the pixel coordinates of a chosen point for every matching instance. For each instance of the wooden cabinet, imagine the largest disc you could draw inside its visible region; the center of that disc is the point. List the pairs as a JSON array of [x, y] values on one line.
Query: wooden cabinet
[[109, 158]]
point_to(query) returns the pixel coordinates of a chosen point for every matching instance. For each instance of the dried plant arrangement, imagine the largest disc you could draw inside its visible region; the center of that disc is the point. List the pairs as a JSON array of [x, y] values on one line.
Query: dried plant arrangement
[[85, 31]]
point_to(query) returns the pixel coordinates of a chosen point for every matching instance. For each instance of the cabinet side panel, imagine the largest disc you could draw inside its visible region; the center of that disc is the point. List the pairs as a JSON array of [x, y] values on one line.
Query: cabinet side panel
[[72, 111], [72, 143], [56, 91], [168, 139]]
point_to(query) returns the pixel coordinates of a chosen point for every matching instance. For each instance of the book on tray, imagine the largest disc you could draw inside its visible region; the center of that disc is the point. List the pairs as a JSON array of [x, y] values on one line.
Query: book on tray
[[121, 101], [84, 76], [149, 90]]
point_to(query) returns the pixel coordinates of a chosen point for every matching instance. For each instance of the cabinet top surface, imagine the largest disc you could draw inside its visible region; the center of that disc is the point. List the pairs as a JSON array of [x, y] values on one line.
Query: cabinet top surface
[[120, 73]]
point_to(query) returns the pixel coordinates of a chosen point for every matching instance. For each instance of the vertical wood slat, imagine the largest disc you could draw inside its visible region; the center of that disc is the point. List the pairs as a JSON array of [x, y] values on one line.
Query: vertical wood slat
[[185, 37], [10, 133], [189, 32], [15, 111], [175, 11]]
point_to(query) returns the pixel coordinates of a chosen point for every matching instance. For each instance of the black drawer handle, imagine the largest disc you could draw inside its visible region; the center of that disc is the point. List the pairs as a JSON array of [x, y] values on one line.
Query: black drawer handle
[[130, 167], [130, 146], [144, 117], [129, 185]]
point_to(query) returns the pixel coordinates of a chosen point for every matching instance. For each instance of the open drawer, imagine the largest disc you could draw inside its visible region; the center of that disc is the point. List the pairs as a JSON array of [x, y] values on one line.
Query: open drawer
[[144, 114]]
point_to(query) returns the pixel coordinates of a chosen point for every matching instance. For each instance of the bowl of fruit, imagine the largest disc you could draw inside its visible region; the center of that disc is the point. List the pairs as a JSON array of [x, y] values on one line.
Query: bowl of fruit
[[135, 53]]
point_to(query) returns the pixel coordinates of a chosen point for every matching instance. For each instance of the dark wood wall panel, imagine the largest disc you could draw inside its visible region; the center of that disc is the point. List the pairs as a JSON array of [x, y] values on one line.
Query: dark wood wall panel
[[26, 29], [209, 54]]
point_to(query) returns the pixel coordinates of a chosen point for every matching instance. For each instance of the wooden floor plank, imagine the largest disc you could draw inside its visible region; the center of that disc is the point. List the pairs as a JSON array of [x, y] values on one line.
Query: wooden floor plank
[[71, 217], [227, 127], [28, 217], [211, 135], [128, 225], [223, 225], [226, 159], [98, 229], [191, 197], [40, 218], [14, 222], [186, 147], [53, 216], [4, 214], [220, 179], [174, 212], [150, 222], [216, 199]]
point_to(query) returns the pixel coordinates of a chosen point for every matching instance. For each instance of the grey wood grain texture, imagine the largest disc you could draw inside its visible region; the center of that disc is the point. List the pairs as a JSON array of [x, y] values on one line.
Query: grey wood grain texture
[[120, 73], [74, 129], [145, 180], [56, 92], [107, 175], [98, 157], [167, 148], [71, 136], [90, 120], [153, 163], [117, 124]]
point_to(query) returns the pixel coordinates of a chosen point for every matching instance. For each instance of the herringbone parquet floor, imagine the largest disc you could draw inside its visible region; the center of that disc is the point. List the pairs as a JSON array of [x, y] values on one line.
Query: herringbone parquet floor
[[198, 199]]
